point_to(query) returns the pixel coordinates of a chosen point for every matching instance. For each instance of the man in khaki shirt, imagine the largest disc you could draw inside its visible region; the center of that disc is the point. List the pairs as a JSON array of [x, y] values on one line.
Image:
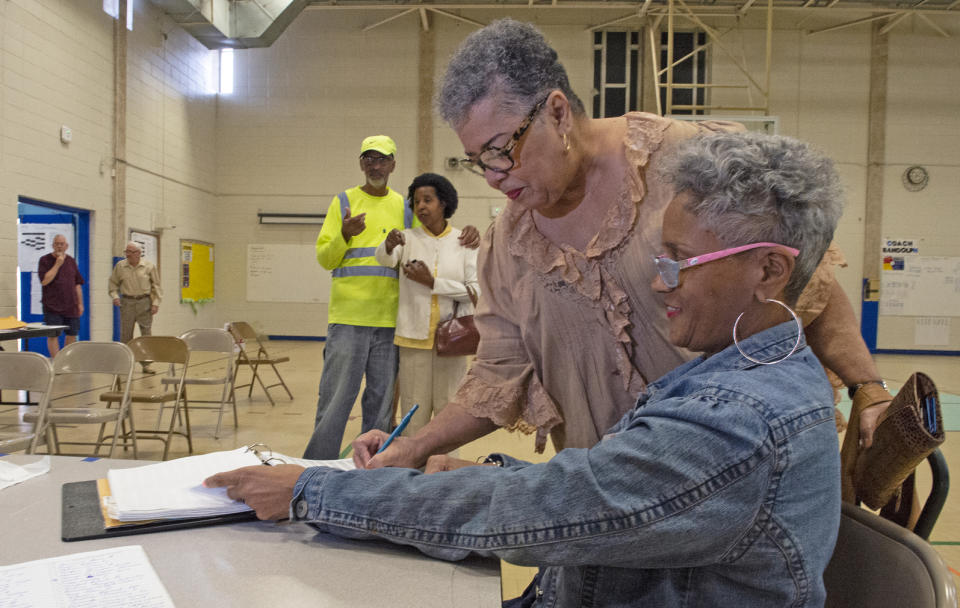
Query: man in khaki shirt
[[135, 288]]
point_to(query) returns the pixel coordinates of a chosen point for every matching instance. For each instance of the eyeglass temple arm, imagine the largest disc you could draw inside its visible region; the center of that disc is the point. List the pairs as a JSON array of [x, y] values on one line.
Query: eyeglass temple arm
[[716, 255]]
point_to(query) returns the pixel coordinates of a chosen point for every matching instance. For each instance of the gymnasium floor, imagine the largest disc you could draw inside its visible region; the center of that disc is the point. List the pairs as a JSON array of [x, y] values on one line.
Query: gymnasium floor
[[286, 427]]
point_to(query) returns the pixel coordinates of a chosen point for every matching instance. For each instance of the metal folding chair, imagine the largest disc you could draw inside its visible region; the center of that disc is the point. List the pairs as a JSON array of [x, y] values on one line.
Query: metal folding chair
[[29, 372], [878, 563], [159, 349], [246, 338], [92, 359], [217, 344]]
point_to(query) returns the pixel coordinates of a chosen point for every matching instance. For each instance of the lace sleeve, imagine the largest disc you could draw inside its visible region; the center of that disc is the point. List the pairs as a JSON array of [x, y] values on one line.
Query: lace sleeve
[[502, 385]]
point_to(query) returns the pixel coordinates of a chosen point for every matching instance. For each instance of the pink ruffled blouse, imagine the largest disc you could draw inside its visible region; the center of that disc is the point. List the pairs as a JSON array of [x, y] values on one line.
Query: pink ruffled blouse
[[570, 338]]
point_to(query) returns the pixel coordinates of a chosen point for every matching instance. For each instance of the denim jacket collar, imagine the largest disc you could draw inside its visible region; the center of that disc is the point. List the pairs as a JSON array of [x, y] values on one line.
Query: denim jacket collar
[[768, 345]]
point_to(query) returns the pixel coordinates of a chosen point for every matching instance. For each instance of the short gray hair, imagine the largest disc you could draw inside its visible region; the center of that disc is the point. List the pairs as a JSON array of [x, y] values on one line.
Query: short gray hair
[[752, 187], [509, 58]]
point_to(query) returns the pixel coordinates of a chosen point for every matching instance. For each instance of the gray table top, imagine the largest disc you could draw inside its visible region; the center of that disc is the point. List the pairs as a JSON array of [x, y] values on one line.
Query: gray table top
[[259, 564], [34, 331]]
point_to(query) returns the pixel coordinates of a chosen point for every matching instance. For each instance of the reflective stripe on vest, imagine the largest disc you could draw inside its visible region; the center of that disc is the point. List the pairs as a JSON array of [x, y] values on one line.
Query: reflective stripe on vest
[[359, 252], [366, 252], [364, 271], [407, 210]]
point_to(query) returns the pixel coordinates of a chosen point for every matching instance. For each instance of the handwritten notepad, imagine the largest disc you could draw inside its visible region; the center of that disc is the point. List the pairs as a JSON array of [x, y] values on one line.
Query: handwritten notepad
[[174, 489], [110, 578]]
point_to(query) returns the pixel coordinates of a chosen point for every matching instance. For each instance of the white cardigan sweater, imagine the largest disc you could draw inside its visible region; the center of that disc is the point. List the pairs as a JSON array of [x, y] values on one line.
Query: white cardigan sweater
[[454, 268]]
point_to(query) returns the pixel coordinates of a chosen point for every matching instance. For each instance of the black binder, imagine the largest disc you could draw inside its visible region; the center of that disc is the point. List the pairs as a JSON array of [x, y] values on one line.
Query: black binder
[[82, 519]]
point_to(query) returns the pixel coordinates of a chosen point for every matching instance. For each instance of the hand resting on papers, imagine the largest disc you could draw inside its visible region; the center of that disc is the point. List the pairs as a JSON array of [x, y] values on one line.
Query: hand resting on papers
[[266, 490]]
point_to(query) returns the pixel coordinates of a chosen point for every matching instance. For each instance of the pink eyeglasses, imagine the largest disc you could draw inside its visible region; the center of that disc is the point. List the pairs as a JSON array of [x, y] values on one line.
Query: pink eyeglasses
[[670, 269]]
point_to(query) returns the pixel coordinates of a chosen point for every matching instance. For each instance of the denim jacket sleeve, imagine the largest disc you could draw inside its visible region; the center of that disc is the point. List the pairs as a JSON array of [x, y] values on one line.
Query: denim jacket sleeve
[[642, 498]]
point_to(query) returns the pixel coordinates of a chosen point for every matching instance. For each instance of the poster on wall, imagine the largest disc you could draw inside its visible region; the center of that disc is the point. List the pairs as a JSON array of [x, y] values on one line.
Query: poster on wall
[[196, 271], [33, 242], [149, 244], [895, 250]]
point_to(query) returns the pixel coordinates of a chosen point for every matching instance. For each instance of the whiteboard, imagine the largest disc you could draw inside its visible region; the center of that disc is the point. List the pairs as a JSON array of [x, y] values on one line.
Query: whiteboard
[[921, 286], [286, 273]]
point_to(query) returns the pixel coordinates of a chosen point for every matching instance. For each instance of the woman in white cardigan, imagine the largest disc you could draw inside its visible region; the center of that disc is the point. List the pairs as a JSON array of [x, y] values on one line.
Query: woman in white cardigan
[[436, 272]]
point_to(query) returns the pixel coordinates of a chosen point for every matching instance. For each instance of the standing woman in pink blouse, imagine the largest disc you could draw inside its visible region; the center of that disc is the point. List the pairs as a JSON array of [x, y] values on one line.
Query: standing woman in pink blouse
[[570, 331], [437, 274]]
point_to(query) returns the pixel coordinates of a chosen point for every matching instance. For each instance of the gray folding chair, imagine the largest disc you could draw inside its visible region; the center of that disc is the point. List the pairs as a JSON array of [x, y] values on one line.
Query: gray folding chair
[[159, 349], [247, 338], [111, 359], [217, 346], [33, 373], [878, 563]]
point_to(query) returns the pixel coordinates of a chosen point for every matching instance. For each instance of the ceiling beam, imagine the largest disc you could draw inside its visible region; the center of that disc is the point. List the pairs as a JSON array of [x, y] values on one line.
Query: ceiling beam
[[933, 25], [841, 26], [893, 23], [389, 19], [711, 10], [456, 17]]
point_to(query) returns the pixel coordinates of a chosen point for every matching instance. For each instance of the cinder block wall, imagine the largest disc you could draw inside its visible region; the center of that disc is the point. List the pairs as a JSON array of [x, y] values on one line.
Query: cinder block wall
[[287, 139]]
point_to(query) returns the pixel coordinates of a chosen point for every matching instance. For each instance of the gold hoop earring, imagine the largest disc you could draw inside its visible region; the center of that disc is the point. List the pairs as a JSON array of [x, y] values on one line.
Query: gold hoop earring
[[792, 350], [566, 142]]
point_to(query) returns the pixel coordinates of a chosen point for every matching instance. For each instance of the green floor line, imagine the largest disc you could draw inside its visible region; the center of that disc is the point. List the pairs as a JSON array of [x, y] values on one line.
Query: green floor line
[[346, 451], [944, 542]]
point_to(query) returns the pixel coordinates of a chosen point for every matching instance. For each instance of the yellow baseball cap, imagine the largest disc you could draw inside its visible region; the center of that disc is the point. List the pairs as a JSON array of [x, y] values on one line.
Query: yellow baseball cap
[[379, 143]]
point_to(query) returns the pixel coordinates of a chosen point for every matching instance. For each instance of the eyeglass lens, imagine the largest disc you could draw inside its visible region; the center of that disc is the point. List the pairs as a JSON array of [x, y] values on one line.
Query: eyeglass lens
[[374, 160], [501, 159], [669, 270]]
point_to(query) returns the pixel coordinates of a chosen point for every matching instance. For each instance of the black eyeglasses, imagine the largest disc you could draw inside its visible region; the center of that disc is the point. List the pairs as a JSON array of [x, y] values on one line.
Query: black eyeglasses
[[499, 159], [371, 160]]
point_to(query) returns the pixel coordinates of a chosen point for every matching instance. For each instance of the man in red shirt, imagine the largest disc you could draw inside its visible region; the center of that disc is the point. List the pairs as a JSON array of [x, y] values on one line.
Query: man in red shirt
[[62, 293]]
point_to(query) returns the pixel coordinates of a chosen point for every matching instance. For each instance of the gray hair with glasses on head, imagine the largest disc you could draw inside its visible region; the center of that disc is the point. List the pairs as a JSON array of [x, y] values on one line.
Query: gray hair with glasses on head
[[508, 58], [753, 187]]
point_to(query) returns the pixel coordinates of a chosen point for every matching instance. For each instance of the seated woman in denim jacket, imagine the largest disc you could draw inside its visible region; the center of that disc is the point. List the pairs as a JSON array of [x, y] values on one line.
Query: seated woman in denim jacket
[[721, 487]]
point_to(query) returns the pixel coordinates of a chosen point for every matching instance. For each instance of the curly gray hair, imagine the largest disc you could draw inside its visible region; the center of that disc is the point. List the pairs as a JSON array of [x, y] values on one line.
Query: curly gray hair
[[509, 58], [753, 187]]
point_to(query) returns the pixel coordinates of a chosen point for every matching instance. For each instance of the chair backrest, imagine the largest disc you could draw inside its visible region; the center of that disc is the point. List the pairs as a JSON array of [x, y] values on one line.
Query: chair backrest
[[209, 340], [244, 330], [878, 563], [162, 349], [25, 372], [94, 358], [937, 498]]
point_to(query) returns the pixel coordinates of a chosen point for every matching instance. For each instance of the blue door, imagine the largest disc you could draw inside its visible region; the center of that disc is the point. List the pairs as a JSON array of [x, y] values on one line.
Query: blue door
[[39, 222]]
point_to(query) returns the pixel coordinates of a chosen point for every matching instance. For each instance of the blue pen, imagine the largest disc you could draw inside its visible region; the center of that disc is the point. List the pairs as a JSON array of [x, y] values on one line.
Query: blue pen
[[403, 424], [931, 414]]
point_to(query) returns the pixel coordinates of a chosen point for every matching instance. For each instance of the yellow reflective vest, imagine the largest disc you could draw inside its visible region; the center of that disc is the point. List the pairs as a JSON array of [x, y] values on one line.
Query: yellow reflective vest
[[362, 292]]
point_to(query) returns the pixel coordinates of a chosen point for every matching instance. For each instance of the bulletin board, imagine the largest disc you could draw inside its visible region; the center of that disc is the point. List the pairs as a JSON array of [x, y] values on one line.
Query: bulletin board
[[196, 271], [919, 300]]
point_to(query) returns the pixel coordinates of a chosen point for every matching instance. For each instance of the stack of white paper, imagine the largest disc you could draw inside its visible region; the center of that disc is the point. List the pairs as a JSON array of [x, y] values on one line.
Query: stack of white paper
[[174, 489], [110, 578]]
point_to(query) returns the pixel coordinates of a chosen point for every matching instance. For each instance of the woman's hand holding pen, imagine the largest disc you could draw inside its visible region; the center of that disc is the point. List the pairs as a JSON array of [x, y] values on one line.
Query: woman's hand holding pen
[[402, 452], [267, 490], [394, 238]]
